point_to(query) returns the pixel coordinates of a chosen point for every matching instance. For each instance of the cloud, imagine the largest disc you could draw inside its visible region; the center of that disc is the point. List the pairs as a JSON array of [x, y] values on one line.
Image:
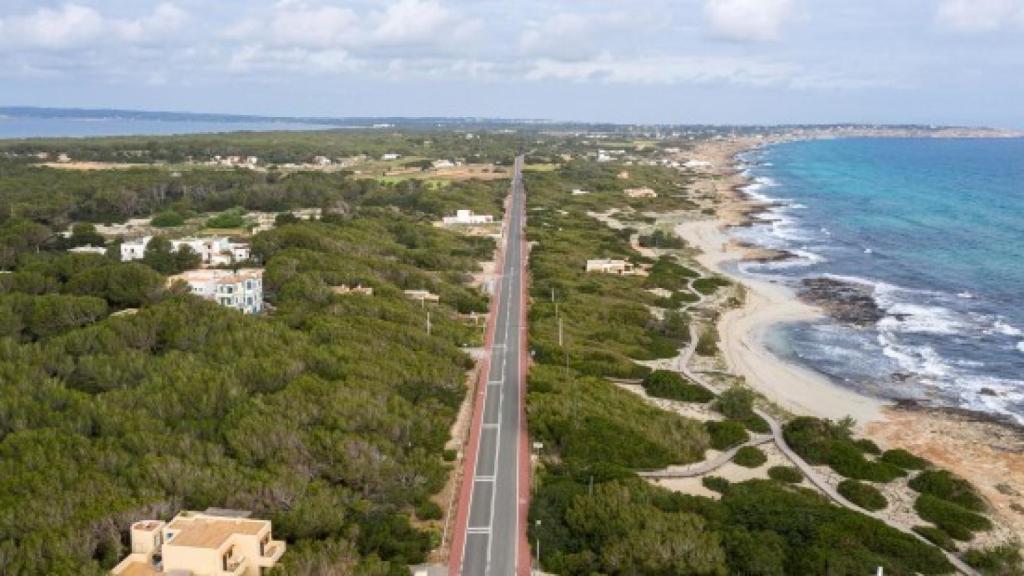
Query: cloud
[[747, 20], [978, 16], [666, 70], [575, 36], [74, 25]]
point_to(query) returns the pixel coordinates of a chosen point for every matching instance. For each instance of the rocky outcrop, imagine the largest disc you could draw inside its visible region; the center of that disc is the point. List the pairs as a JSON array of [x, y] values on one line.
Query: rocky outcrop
[[846, 302]]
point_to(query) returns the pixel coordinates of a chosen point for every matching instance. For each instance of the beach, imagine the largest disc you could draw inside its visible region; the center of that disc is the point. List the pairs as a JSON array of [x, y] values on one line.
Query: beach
[[985, 451]]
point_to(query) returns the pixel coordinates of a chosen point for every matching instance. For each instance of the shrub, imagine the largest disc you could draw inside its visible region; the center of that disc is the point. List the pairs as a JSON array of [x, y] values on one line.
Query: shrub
[[936, 536], [449, 455], [788, 474], [903, 459], [867, 446], [229, 219], [168, 220], [825, 442], [726, 434], [1002, 560], [666, 384], [707, 343], [736, 403], [707, 286], [715, 483], [428, 510], [755, 423], [864, 495], [949, 487], [750, 457], [952, 519]]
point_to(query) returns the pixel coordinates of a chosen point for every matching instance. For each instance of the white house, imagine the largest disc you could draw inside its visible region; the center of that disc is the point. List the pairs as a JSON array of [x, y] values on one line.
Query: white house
[[241, 289], [134, 249], [438, 164], [467, 217], [215, 251], [606, 266], [321, 161], [644, 192], [579, 192], [390, 156], [88, 249]]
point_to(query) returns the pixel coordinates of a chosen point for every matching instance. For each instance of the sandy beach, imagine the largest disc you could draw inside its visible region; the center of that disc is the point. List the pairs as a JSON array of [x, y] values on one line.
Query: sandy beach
[[987, 453]]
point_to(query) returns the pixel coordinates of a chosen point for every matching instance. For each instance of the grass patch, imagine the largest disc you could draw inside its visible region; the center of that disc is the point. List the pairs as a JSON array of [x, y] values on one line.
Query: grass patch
[[787, 474], [708, 286], [671, 385], [726, 434], [949, 487], [715, 483], [958, 522], [864, 495], [936, 536], [1002, 560], [903, 459], [749, 457]]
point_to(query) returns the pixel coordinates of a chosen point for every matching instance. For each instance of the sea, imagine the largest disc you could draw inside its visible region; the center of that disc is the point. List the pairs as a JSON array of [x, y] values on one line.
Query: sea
[[80, 127], [934, 228]]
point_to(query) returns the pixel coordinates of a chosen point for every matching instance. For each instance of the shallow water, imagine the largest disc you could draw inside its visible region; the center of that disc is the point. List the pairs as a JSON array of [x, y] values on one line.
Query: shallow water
[[936, 228]]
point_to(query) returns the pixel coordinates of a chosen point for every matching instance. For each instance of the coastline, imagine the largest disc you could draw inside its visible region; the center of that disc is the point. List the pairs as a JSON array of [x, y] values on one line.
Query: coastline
[[988, 453]]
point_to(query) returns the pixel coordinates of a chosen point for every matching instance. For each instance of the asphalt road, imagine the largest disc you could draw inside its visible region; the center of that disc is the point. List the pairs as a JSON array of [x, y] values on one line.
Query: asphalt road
[[492, 533]]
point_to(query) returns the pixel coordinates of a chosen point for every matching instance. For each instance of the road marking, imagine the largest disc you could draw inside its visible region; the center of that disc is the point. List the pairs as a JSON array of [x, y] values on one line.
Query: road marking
[[484, 478], [478, 530], [490, 426]]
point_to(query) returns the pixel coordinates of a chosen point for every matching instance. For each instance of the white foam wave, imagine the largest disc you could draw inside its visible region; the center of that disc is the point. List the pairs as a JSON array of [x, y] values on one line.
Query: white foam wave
[[1020, 346], [921, 319], [1001, 327]]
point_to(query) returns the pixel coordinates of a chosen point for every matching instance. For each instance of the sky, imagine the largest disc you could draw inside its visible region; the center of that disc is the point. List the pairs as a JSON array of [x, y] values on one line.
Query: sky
[[946, 62]]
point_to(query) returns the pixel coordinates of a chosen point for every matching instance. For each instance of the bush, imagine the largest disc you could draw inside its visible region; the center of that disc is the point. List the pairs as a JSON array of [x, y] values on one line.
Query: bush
[[999, 561], [428, 510], [903, 459], [666, 384], [868, 447], [824, 442], [726, 434], [168, 219], [750, 457], [952, 519], [788, 474], [707, 343], [229, 219], [715, 483], [736, 403], [937, 537], [449, 455], [864, 495], [949, 487], [755, 423], [707, 286]]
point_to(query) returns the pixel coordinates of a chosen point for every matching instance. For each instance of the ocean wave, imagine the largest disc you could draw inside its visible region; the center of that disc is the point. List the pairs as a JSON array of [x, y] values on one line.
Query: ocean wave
[[1020, 346], [921, 319], [1001, 327]]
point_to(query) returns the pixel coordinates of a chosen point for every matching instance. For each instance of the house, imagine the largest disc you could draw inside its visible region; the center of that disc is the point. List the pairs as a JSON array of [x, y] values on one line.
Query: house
[[216, 541], [358, 289], [390, 156], [215, 251], [421, 295], [607, 266], [467, 217], [134, 249], [88, 249], [644, 192], [239, 289], [438, 164], [321, 161], [579, 192]]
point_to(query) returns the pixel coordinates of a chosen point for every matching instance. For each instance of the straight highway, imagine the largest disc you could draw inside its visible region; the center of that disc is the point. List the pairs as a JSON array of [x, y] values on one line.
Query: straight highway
[[490, 530]]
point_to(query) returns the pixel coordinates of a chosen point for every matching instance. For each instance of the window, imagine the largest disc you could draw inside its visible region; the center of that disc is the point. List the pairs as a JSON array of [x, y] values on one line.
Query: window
[[248, 284]]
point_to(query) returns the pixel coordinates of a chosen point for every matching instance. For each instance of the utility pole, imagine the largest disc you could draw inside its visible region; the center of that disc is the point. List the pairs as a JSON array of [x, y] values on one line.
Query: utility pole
[[428, 322], [559, 331]]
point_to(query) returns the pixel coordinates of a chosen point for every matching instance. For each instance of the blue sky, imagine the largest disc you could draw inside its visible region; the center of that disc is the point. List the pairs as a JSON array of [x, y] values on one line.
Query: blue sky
[[714, 61]]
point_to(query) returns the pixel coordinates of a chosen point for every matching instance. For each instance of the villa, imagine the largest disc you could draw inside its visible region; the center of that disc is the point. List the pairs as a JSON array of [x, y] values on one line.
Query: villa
[[467, 217], [238, 289], [215, 251], [214, 542], [88, 249]]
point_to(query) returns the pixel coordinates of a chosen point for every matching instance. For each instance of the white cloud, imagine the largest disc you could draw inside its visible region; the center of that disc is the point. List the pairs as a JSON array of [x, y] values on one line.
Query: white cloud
[[320, 26], [747, 20], [573, 36], [977, 16], [74, 25]]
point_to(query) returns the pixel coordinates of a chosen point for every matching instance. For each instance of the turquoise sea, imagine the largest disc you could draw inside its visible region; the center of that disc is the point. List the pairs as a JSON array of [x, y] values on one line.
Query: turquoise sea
[[935, 228]]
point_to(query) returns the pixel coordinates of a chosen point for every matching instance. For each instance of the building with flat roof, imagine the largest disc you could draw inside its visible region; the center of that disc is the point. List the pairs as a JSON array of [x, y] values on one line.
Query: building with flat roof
[[134, 249], [608, 266], [467, 217], [212, 543], [215, 250], [239, 289]]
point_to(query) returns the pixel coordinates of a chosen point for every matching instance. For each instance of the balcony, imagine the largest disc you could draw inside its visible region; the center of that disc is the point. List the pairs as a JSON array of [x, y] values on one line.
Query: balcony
[[272, 552], [236, 566]]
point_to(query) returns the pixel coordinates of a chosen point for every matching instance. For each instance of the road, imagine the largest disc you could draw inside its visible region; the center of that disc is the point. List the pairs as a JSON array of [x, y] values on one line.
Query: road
[[491, 529]]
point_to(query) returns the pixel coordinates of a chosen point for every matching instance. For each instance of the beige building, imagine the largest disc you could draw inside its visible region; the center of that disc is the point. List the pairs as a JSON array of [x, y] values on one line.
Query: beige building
[[644, 192], [606, 266], [212, 543]]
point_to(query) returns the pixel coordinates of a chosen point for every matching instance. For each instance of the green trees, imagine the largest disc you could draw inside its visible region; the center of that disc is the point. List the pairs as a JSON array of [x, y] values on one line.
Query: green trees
[[121, 285], [750, 457], [824, 442], [161, 256]]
